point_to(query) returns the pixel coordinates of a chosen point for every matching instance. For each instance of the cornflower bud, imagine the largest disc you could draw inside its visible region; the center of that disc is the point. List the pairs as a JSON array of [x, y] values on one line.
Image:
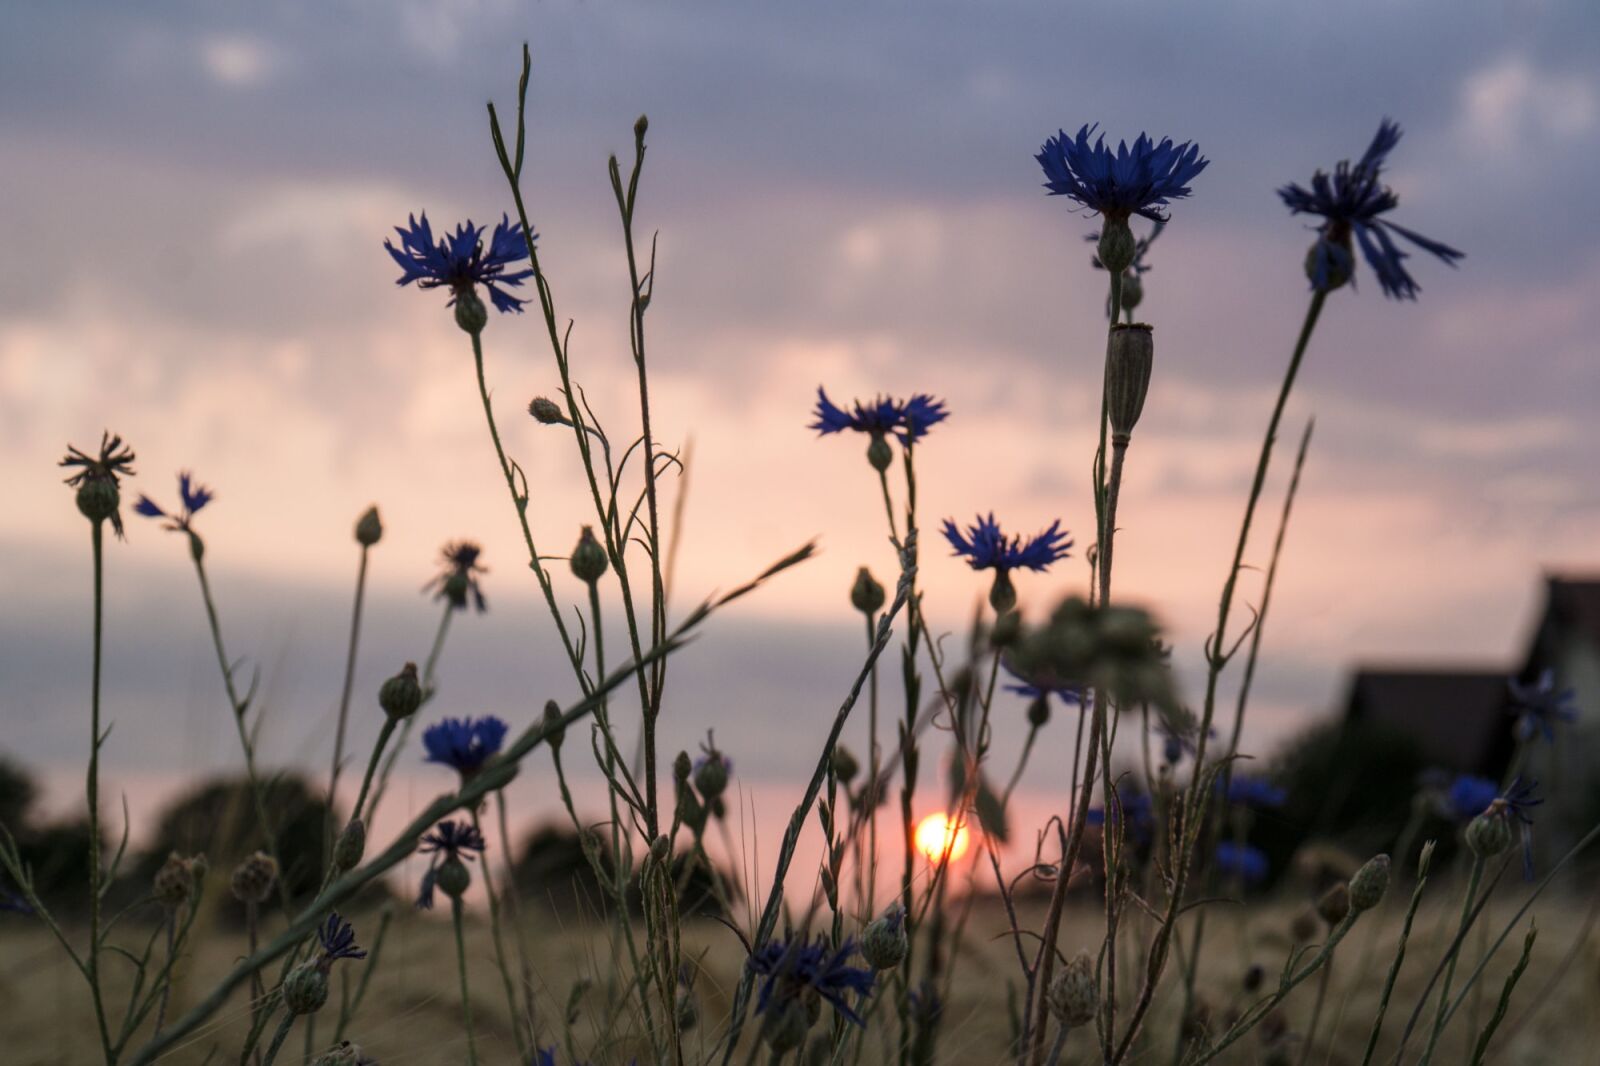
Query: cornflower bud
[[884, 944], [1117, 246], [711, 774], [845, 764], [1253, 977], [452, 877], [1369, 884], [401, 695], [1132, 290], [1039, 712], [174, 883], [546, 411], [1074, 996], [682, 767], [1130, 357], [253, 878], [471, 315], [1489, 833], [879, 454], [866, 595], [351, 845], [305, 990], [369, 529], [589, 558], [555, 731]]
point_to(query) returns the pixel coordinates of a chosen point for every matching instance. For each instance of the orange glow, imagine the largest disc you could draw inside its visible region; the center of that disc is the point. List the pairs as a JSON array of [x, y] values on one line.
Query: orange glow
[[934, 837]]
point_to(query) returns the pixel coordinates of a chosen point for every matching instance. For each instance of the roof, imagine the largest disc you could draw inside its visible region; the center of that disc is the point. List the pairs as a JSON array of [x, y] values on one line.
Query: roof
[[1574, 603], [1457, 716]]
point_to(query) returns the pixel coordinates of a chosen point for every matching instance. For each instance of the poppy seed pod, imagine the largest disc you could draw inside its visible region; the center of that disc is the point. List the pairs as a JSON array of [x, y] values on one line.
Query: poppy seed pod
[[1130, 356], [369, 529], [1369, 884], [401, 695]]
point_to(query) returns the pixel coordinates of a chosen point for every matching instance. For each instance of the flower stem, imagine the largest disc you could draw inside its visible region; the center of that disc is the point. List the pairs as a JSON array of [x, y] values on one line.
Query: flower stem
[[92, 961], [279, 1037], [372, 765], [1474, 879], [461, 967], [344, 696]]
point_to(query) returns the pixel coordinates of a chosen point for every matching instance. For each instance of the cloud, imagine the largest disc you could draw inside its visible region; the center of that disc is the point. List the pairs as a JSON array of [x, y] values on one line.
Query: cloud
[[237, 61], [1512, 98]]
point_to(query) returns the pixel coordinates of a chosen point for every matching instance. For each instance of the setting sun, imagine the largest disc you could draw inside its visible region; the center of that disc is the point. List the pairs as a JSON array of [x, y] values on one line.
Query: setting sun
[[934, 837]]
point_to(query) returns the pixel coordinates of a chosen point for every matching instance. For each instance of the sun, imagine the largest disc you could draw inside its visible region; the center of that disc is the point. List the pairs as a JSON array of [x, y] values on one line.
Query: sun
[[934, 837]]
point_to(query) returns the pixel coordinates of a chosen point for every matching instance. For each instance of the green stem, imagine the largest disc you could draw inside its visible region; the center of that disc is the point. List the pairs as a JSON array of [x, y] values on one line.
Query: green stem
[[428, 689], [1474, 879], [1394, 967], [372, 765], [499, 947], [461, 968], [92, 960], [279, 1037], [344, 695]]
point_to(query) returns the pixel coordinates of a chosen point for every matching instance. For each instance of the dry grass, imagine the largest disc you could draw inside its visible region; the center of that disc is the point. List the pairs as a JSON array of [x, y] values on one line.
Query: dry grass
[[412, 1012]]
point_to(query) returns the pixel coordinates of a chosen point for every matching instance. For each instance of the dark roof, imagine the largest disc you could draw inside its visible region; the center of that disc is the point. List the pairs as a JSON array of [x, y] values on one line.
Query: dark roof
[[1458, 717], [1575, 604]]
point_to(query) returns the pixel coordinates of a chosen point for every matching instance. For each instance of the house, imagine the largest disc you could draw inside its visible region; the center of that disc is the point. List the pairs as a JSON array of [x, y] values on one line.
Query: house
[[1459, 718]]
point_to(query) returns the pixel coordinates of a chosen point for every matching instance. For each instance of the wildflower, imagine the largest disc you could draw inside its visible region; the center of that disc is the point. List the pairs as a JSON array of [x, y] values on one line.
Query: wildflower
[[1074, 995], [1040, 688], [99, 497], [459, 578], [305, 989], [794, 968], [1350, 202], [464, 743], [588, 559], [884, 944], [402, 694], [1179, 736], [909, 420], [1369, 883], [194, 497], [1247, 863], [1491, 832], [369, 528], [337, 938], [1540, 705], [178, 880], [253, 878], [1469, 796], [460, 261], [1132, 808], [451, 844], [1121, 183], [986, 547], [866, 595], [712, 770], [1251, 791]]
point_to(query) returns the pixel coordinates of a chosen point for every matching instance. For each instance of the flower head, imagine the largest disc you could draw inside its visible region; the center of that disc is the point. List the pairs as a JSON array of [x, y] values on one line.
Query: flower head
[[464, 743], [1120, 183], [1515, 805], [337, 938], [458, 579], [449, 841], [985, 547], [794, 967], [909, 420], [1351, 201], [1243, 861], [460, 260], [1540, 705], [1041, 688], [194, 497], [97, 478], [1132, 809], [1247, 790], [1469, 796]]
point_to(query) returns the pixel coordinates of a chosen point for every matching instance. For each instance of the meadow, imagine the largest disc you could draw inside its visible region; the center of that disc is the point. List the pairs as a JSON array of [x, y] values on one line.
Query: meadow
[[1142, 921]]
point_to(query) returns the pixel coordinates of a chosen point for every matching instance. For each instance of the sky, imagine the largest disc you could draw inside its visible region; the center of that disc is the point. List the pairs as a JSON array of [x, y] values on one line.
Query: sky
[[844, 194]]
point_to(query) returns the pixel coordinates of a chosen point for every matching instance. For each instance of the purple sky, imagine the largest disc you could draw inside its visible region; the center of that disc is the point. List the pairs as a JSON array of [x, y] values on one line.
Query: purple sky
[[845, 195]]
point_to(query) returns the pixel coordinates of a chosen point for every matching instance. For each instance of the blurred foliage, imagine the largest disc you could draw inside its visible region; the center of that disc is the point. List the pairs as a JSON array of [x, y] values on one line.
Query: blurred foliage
[[551, 870]]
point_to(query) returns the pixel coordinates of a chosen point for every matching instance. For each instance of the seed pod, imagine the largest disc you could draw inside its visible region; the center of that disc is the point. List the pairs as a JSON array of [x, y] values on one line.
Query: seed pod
[[369, 529], [1369, 884], [1130, 357], [1074, 996], [174, 883], [401, 695], [253, 878]]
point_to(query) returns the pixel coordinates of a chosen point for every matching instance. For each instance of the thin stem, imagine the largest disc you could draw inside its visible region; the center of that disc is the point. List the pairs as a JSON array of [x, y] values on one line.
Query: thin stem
[[461, 968], [170, 920], [92, 959], [1474, 879], [279, 1037], [429, 687], [499, 947], [372, 765], [344, 695], [1394, 968]]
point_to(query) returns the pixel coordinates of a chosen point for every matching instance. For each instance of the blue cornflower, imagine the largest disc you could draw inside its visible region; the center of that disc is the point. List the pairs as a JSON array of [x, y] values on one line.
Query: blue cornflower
[[1469, 796], [1252, 791], [1180, 738], [1516, 803], [792, 968], [1039, 688], [459, 578], [460, 260], [1137, 813], [194, 497], [464, 743], [1540, 705], [1247, 863], [13, 902], [1350, 201], [1117, 184], [446, 842], [909, 420], [985, 547], [337, 939]]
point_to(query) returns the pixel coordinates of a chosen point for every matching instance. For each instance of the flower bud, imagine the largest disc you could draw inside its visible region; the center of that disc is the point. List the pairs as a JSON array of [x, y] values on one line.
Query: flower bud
[[845, 764], [1002, 594], [879, 454], [1074, 996], [98, 498], [1132, 290], [197, 547], [1332, 256], [1130, 356], [1489, 833], [641, 125], [1117, 247], [1039, 712], [555, 730], [369, 530], [682, 767], [305, 990], [588, 558], [884, 944], [471, 315], [452, 877], [866, 595], [351, 845], [174, 883], [547, 411], [1334, 906], [711, 776], [253, 878], [1369, 884], [401, 695]]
